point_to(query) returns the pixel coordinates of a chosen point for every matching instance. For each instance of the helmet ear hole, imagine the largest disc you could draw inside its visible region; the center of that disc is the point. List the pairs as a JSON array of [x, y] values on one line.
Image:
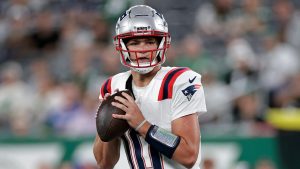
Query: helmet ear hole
[[158, 58], [158, 40]]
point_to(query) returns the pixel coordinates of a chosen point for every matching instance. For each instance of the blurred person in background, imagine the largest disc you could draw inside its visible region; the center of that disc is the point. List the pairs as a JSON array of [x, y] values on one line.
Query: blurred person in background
[[250, 22], [47, 95], [212, 24], [249, 117], [173, 54], [59, 119], [81, 73], [142, 45], [286, 19], [110, 65], [16, 26], [51, 97], [193, 55], [81, 124], [15, 111], [278, 54], [242, 78], [101, 31], [44, 37], [219, 97], [242, 67]]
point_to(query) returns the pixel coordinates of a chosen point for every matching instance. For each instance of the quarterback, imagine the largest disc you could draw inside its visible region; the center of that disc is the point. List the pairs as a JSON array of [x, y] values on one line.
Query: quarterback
[[163, 114]]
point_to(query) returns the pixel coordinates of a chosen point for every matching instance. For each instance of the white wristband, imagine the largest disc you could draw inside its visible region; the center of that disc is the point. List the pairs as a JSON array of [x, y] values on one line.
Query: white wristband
[[140, 125]]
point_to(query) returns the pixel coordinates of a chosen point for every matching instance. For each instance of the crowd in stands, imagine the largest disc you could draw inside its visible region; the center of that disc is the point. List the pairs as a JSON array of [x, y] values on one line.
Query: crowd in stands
[[55, 54]]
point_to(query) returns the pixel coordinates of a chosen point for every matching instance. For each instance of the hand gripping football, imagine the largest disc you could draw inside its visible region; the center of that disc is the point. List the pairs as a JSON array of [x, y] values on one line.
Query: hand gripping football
[[108, 127]]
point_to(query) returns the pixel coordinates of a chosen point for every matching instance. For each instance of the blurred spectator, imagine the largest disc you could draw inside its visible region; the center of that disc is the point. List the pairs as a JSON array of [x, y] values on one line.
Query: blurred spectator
[[15, 100], [212, 24], [250, 22], [212, 17], [101, 31], [194, 55], [284, 16], [249, 116], [60, 119], [47, 95], [45, 35], [16, 26], [110, 61], [242, 63], [80, 71], [279, 54], [288, 94], [81, 124], [293, 28], [218, 101], [172, 54], [247, 108]]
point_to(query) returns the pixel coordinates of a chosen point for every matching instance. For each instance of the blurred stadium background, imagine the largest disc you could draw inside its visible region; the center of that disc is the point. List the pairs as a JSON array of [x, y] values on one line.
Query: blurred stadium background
[[54, 55]]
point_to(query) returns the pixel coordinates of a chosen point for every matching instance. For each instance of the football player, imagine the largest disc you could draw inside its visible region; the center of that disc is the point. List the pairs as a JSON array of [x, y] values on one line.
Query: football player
[[163, 114]]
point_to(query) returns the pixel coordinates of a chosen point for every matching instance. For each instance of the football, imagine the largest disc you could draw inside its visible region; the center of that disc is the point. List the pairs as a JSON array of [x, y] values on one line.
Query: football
[[108, 127]]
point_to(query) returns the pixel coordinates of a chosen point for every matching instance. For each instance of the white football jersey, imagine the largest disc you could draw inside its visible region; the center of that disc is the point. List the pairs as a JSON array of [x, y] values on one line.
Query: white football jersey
[[174, 92]]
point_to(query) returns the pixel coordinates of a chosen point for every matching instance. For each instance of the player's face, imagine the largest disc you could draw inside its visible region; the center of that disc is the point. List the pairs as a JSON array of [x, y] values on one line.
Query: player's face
[[142, 49]]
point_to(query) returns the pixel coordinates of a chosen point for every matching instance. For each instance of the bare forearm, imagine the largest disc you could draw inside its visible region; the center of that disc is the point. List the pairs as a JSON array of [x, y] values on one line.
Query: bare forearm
[[187, 151], [106, 153]]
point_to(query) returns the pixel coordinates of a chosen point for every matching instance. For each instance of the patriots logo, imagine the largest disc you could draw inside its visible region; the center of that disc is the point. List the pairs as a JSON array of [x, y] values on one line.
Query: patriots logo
[[190, 91]]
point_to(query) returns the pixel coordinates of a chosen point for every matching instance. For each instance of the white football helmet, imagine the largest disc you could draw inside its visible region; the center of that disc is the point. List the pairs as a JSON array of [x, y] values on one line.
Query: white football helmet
[[138, 21]]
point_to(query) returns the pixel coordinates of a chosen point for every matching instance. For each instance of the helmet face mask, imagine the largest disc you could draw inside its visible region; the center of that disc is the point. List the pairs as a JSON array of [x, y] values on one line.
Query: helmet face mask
[[142, 22]]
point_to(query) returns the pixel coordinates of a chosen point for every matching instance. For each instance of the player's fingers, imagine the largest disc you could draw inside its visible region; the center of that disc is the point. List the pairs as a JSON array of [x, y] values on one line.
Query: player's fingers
[[119, 116], [119, 105], [122, 100], [128, 97]]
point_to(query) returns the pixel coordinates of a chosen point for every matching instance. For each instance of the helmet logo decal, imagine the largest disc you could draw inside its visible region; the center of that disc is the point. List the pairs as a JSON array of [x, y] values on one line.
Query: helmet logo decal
[[158, 14], [123, 16]]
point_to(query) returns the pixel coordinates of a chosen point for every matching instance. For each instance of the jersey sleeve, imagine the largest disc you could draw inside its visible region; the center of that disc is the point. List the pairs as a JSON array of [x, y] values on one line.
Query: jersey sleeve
[[188, 96], [113, 83], [105, 88]]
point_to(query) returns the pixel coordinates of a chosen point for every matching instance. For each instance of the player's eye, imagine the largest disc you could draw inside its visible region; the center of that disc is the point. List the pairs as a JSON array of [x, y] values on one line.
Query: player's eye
[[133, 43], [151, 42]]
